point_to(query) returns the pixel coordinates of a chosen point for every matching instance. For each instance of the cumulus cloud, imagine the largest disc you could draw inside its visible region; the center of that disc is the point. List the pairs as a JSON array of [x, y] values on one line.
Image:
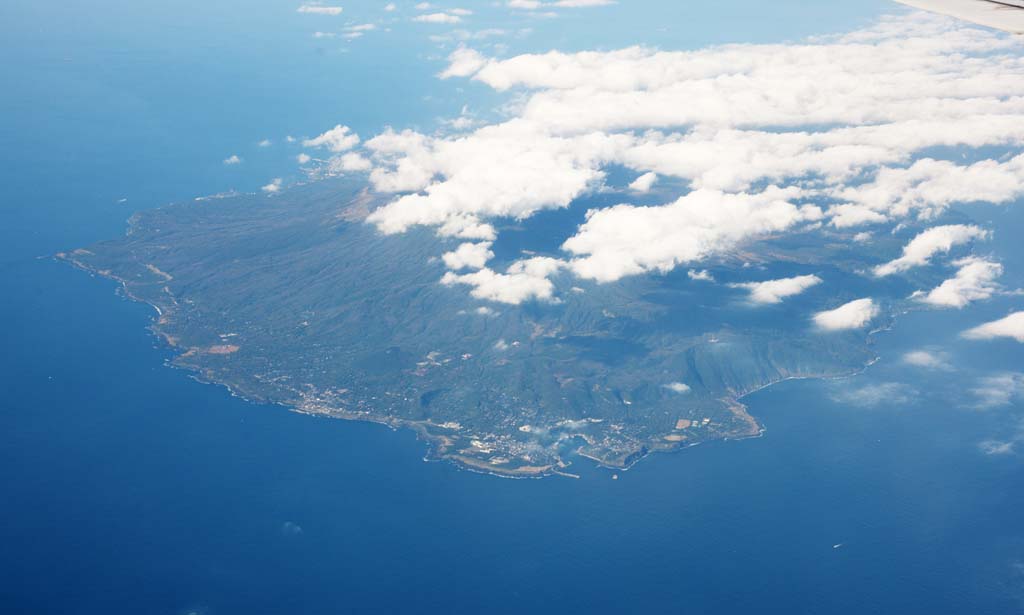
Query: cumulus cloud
[[350, 161], [756, 131], [677, 387], [303, 158], [644, 183], [774, 291], [628, 240], [1011, 326], [469, 255], [929, 186], [523, 281], [463, 62], [233, 159], [974, 281], [317, 9], [709, 155], [506, 170], [337, 139], [853, 315], [700, 275], [937, 240], [273, 186]]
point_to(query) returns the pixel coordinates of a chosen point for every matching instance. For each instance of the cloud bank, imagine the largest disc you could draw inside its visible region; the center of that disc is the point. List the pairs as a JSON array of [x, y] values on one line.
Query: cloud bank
[[768, 140]]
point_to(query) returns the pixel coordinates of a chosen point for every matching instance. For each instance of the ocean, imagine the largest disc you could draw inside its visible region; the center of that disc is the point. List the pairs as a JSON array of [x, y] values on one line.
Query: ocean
[[129, 487]]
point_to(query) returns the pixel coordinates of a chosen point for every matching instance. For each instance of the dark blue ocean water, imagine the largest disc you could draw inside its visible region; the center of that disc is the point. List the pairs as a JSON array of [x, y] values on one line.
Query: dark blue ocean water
[[129, 488]]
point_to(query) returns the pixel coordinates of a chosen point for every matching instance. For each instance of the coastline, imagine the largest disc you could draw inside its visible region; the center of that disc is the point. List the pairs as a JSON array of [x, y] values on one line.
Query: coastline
[[439, 446]]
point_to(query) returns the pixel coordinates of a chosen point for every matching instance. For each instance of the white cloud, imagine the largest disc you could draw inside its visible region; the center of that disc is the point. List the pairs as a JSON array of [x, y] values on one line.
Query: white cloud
[[853, 315], [644, 183], [355, 31], [677, 387], [523, 281], [273, 186], [233, 159], [350, 161], [974, 281], [303, 158], [712, 91], [701, 275], [998, 390], [928, 359], [774, 291], [506, 170], [937, 240], [628, 240], [463, 62], [1012, 440], [264, 143], [469, 255], [390, 7], [839, 120], [1011, 326], [316, 9], [929, 186], [444, 18], [997, 447], [337, 139]]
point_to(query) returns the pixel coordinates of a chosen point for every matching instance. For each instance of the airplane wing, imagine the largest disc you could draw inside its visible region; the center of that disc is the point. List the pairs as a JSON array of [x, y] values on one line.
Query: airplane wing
[[1005, 15]]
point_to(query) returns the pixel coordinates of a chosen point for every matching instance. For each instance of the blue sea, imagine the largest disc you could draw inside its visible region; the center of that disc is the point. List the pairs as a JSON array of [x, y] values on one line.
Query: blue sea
[[129, 487]]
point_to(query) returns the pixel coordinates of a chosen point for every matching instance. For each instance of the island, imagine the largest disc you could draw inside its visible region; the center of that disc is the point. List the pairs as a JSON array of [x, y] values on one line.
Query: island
[[293, 299]]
